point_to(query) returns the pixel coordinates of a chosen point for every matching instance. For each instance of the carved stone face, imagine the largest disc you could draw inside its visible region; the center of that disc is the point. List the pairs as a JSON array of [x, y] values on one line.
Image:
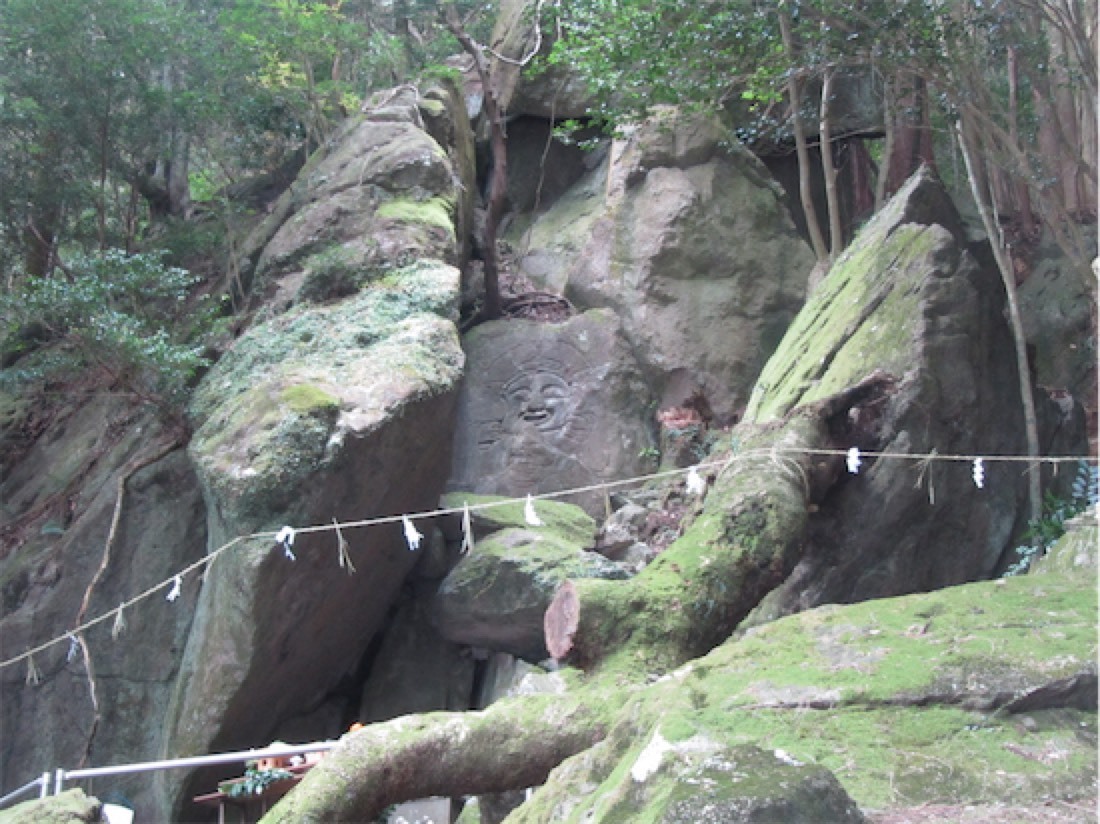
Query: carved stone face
[[540, 409], [539, 399]]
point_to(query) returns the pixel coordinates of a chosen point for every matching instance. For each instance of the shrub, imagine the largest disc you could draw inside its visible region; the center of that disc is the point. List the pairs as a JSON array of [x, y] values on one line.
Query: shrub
[[129, 316]]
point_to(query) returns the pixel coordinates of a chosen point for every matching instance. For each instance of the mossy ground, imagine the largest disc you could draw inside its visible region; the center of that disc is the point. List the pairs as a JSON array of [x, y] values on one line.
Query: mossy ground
[[877, 693]]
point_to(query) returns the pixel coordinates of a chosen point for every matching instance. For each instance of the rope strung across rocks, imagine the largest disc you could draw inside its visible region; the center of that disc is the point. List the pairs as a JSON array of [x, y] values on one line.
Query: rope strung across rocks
[[173, 582]]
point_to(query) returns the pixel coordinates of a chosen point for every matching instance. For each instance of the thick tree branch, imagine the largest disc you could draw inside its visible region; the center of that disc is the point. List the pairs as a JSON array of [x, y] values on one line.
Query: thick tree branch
[[745, 543], [512, 745]]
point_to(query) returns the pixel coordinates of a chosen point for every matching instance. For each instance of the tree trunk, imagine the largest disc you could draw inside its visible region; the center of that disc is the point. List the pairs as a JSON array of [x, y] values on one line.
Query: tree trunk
[[805, 186], [889, 122], [828, 168], [912, 145], [512, 745], [1008, 278], [498, 175]]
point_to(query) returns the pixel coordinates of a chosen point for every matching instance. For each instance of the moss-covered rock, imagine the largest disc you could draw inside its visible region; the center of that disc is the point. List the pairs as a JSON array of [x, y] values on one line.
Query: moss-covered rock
[[336, 404], [909, 301], [70, 807], [491, 513], [495, 597], [907, 701], [276, 409], [1075, 552]]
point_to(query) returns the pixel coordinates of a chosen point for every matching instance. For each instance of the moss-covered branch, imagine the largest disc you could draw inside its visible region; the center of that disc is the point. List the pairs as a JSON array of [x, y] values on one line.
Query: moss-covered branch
[[512, 745]]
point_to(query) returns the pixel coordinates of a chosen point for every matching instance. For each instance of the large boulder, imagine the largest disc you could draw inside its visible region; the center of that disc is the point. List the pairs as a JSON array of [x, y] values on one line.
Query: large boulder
[[547, 407], [909, 300], [683, 234], [61, 502], [972, 693], [337, 404]]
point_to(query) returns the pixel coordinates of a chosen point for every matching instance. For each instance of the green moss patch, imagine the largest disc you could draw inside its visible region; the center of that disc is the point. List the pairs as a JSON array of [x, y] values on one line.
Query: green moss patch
[[491, 513], [303, 399], [865, 314], [435, 211]]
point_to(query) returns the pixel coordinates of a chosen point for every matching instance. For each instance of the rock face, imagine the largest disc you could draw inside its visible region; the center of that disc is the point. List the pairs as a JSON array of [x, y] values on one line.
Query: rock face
[[685, 237], [908, 299], [337, 404], [61, 498], [547, 407]]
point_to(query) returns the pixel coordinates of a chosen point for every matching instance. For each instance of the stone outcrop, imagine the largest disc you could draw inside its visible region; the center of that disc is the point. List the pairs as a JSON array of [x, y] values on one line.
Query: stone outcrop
[[337, 404], [958, 695], [548, 407], [683, 234]]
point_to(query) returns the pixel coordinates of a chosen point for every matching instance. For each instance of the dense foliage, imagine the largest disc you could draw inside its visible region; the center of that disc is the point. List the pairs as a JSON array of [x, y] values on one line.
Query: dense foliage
[[128, 318]]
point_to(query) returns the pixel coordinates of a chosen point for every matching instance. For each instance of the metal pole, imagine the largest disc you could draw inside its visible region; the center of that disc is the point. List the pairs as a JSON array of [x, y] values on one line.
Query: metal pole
[[42, 782], [58, 781], [199, 760]]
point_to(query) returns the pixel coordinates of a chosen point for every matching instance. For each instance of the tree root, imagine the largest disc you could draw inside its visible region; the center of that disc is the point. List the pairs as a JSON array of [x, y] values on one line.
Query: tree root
[[128, 472]]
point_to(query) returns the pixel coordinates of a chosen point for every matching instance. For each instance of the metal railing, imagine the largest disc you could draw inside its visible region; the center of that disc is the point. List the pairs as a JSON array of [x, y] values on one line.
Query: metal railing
[[60, 776], [42, 782]]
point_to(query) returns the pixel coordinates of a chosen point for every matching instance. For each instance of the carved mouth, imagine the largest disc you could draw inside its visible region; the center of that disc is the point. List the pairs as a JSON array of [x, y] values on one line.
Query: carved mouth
[[535, 415]]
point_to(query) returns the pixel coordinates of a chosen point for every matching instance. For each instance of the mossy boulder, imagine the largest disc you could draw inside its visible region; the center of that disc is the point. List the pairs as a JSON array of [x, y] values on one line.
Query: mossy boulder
[[1075, 552], [70, 807], [975, 693], [496, 596], [910, 302], [382, 194], [279, 406], [696, 780], [337, 403]]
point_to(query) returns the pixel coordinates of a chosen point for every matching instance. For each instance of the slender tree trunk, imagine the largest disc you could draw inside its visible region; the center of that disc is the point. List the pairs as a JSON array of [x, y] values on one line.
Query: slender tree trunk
[[912, 132], [805, 185], [888, 117], [828, 168], [1008, 278]]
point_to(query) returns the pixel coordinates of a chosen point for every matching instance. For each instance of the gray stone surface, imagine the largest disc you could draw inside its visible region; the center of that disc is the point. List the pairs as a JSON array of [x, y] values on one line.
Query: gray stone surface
[[336, 404], [685, 236], [76, 465], [416, 669]]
